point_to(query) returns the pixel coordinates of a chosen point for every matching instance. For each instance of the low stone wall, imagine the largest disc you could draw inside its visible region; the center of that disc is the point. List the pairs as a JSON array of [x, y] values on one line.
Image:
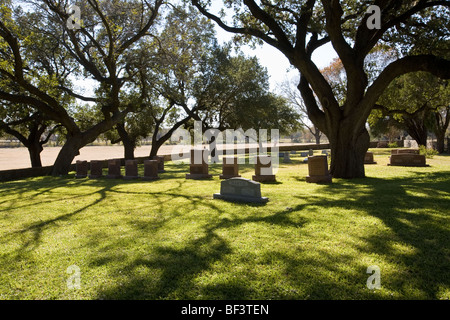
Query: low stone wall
[[16, 174]]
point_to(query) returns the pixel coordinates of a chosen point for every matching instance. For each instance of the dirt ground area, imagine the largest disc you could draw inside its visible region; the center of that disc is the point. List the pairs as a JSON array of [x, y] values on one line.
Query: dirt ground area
[[18, 158]]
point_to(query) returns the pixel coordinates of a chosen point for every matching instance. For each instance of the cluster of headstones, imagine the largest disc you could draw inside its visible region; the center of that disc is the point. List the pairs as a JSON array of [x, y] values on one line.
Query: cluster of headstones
[[238, 189], [230, 167], [318, 167], [235, 188], [151, 169], [401, 157]]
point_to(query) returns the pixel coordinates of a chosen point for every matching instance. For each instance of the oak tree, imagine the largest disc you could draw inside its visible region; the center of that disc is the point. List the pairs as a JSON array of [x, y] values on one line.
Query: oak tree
[[298, 28]]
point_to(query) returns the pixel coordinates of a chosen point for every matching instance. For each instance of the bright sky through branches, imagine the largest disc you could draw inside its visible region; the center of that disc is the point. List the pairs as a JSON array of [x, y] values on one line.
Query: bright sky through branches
[[276, 63]]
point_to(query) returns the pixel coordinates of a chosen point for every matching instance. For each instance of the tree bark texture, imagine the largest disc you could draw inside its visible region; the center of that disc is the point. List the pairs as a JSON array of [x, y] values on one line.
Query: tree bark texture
[[128, 142]]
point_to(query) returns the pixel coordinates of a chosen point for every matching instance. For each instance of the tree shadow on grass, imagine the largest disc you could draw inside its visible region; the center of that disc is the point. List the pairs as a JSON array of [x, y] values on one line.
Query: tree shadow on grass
[[416, 211], [178, 268], [30, 189], [400, 203], [32, 232]]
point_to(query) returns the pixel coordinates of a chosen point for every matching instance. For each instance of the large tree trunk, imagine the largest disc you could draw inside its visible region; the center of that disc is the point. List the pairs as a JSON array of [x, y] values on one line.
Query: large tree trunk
[[157, 143], [32, 142], [416, 126], [419, 134], [348, 150], [317, 135], [128, 142], [442, 121], [66, 155], [34, 150], [440, 145], [348, 137]]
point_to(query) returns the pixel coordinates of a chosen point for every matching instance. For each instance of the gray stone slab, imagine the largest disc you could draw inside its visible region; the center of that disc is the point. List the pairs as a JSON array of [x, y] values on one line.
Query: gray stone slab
[[240, 190]]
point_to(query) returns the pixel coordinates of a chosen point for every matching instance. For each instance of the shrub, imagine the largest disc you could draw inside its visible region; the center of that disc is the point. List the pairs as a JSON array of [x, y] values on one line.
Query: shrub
[[392, 145], [428, 152]]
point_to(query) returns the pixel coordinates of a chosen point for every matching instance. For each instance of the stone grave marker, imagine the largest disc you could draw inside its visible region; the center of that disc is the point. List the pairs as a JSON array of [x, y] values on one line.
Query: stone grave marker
[[131, 169], [151, 169], [318, 170], [82, 168], [198, 168], [311, 152], [304, 154], [368, 158], [114, 169], [240, 190], [96, 169], [405, 151], [263, 170], [408, 151], [408, 160], [287, 158], [230, 168], [160, 160]]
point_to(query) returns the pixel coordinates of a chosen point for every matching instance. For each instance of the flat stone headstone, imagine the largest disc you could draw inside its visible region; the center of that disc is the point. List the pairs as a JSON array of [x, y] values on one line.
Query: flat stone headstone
[[318, 170], [240, 190], [82, 168], [131, 169], [304, 154], [160, 160], [408, 160], [368, 158], [408, 151], [263, 170], [230, 168], [293, 152], [198, 169], [198, 156], [151, 169], [96, 167], [114, 169]]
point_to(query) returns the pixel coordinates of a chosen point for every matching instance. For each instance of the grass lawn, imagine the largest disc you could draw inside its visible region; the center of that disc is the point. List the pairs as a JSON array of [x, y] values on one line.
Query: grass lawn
[[169, 239]]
